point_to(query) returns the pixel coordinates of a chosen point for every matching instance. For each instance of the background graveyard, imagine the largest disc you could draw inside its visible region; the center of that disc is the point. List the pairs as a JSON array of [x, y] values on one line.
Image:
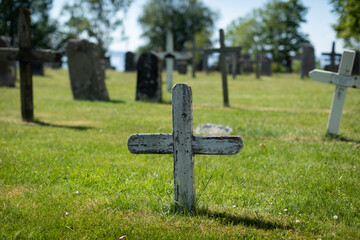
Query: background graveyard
[[69, 173]]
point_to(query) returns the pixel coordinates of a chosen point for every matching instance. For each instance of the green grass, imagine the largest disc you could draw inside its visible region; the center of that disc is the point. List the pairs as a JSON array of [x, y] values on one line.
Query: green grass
[[69, 174]]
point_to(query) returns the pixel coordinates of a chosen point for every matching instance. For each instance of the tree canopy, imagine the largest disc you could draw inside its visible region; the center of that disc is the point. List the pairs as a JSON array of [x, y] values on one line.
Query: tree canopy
[[184, 18], [274, 29], [94, 19], [348, 25], [43, 28]]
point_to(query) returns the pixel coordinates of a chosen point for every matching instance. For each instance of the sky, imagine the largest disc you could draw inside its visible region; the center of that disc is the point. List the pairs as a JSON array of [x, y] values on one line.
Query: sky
[[318, 26]]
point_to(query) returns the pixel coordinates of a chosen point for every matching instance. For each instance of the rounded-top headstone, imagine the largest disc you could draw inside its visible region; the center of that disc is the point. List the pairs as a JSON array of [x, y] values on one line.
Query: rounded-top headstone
[[86, 71]]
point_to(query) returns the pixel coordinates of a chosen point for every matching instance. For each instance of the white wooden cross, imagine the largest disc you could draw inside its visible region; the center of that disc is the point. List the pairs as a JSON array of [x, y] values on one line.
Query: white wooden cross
[[169, 55], [342, 80], [183, 145]]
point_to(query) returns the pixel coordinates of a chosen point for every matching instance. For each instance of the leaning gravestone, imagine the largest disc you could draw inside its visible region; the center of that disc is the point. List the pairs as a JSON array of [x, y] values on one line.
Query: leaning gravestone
[[181, 66], [86, 71], [307, 60], [129, 62], [7, 74], [148, 84]]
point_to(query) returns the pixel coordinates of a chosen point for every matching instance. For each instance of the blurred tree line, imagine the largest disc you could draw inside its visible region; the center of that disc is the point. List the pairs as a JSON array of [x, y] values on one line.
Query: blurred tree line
[[273, 29]]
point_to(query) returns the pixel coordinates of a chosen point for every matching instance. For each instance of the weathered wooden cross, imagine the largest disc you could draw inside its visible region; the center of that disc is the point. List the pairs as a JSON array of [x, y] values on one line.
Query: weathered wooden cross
[[223, 51], [26, 55], [169, 55], [183, 145], [342, 80]]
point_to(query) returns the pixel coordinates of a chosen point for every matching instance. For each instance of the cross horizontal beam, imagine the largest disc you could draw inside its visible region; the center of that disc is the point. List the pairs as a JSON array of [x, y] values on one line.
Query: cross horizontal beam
[[13, 54], [164, 144], [335, 78]]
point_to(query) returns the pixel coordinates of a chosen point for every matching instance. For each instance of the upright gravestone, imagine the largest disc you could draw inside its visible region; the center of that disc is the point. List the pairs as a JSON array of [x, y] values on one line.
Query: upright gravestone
[[148, 84], [247, 64], [307, 59], [86, 71], [183, 145], [342, 80], [7, 71], [129, 62], [38, 68], [181, 66], [265, 66]]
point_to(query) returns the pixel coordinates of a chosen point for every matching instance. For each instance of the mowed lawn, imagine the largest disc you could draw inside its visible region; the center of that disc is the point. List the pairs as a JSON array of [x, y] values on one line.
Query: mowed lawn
[[69, 174]]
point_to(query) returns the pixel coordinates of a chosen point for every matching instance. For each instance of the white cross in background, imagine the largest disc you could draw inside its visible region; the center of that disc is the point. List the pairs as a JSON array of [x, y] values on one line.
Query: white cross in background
[[342, 80]]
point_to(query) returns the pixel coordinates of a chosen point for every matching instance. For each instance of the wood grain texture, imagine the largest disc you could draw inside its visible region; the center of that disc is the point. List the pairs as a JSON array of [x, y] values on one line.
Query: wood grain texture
[[216, 145], [183, 157], [151, 144]]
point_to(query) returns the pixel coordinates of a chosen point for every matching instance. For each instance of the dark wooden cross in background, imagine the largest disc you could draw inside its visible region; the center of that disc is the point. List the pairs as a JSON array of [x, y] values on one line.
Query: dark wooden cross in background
[[223, 50], [332, 55], [25, 55]]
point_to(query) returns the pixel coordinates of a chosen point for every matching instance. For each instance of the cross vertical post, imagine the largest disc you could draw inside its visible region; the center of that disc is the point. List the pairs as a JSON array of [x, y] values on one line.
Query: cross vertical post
[[193, 70], [345, 68], [169, 61], [223, 69], [26, 84], [183, 145], [342, 80], [182, 139]]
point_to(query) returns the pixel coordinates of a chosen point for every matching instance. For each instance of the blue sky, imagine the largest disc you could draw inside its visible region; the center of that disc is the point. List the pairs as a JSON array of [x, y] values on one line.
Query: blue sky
[[318, 26]]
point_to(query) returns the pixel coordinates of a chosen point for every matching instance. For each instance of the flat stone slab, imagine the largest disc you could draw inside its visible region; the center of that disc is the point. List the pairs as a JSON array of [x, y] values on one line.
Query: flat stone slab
[[213, 129]]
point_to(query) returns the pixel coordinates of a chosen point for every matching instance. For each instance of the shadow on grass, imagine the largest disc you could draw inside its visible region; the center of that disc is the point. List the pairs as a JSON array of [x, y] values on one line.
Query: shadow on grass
[[229, 219], [80, 128], [102, 101], [341, 138]]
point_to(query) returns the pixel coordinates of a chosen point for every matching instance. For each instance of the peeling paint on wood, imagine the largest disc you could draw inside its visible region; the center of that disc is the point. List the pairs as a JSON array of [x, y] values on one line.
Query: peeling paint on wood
[[183, 145]]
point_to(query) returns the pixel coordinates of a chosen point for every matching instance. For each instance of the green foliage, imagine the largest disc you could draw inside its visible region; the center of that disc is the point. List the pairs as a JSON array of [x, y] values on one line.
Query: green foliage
[[69, 175], [183, 18], [94, 19], [43, 29], [273, 29], [348, 24]]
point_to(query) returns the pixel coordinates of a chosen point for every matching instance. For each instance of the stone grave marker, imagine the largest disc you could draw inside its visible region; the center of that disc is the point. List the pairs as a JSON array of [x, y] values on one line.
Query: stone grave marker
[[7, 70], [247, 63], [181, 66], [333, 66], [86, 71], [265, 66], [307, 59], [356, 68], [342, 80], [183, 145], [37, 68], [26, 56], [130, 62], [223, 50], [148, 83]]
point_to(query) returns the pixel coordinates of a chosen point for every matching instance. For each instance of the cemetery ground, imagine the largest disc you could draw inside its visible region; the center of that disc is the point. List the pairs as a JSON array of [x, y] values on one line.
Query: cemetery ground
[[69, 174]]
